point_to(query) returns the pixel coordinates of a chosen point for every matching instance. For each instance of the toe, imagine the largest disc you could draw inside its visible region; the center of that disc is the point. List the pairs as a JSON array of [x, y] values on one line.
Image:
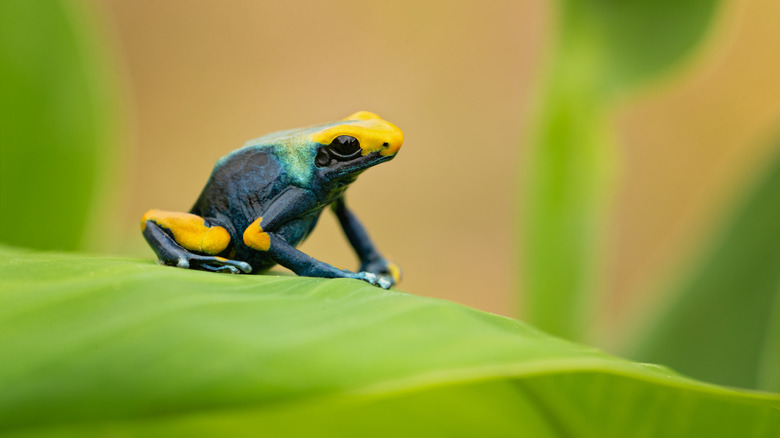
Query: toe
[[245, 267]]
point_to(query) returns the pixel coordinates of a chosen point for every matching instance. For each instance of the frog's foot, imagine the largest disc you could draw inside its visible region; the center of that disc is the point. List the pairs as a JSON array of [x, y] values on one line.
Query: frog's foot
[[385, 269], [372, 278], [305, 265], [213, 264]]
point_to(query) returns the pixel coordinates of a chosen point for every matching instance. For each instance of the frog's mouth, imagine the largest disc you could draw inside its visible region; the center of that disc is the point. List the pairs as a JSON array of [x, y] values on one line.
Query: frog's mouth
[[358, 165], [370, 160]]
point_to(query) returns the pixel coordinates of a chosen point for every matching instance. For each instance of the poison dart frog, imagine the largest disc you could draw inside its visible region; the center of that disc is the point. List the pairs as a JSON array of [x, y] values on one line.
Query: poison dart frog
[[265, 198]]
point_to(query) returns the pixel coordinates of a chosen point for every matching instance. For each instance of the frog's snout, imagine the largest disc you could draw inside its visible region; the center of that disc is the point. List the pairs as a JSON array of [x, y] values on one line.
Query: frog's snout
[[389, 148]]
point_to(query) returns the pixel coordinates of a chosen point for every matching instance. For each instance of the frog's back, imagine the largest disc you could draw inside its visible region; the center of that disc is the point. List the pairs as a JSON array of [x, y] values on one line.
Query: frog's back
[[241, 186]]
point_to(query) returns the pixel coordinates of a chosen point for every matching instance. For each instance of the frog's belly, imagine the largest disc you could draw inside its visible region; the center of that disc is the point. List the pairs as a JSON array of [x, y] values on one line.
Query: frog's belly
[[293, 232]]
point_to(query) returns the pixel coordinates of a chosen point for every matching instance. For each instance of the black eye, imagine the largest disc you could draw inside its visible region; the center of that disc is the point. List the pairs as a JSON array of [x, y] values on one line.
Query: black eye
[[345, 146]]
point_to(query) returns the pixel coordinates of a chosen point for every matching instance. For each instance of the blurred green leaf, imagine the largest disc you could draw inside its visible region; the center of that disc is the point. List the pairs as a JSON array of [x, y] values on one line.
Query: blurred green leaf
[[117, 347], [723, 324], [600, 49], [621, 44], [55, 115]]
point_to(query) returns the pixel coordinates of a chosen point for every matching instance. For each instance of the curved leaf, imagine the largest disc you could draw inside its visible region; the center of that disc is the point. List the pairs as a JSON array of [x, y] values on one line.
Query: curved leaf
[[95, 347]]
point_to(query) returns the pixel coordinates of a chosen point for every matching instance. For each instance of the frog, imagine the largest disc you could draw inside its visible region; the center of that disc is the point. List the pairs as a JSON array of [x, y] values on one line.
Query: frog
[[265, 198]]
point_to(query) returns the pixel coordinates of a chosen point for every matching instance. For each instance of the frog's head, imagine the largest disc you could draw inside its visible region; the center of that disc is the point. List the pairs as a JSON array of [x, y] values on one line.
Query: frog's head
[[348, 147]]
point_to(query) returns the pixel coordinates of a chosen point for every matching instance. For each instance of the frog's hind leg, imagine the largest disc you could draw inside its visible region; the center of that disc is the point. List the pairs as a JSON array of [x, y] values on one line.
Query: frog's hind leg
[[189, 241]]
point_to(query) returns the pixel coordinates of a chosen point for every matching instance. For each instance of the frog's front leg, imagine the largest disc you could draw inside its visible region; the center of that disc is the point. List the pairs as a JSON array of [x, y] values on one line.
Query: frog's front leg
[[291, 204], [370, 258], [189, 241]]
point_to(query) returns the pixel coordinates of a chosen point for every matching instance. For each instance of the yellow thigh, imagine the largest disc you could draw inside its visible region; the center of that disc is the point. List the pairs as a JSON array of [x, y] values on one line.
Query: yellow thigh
[[190, 231]]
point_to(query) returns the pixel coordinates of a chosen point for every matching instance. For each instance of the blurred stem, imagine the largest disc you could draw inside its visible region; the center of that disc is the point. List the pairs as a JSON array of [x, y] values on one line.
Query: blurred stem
[[567, 188], [602, 50]]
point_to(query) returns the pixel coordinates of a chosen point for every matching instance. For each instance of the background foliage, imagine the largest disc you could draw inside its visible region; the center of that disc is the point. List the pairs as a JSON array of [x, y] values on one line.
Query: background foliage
[[600, 50], [56, 110], [107, 346], [737, 286], [725, 309]]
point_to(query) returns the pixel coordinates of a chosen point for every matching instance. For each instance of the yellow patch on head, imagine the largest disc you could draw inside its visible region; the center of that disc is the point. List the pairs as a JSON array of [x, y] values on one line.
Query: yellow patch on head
[[190, 231], [255, 237], [372, 132]]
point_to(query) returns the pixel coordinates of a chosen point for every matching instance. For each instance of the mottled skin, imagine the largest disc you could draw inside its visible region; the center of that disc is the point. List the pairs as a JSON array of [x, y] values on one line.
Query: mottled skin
[[268, 196]]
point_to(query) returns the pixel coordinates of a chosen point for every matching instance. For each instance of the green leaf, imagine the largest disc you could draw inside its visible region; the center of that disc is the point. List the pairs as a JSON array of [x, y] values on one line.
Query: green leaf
[[622, 44], [56, 119], [117, 347], [724, 323], [601, 50]]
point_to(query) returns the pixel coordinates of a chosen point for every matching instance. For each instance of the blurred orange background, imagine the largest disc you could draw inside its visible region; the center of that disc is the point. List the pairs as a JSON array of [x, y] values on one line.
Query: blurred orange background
[[459, 79]]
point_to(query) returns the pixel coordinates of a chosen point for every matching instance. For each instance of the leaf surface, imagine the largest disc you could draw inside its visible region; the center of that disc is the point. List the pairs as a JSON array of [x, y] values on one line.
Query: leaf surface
[[95, 347]]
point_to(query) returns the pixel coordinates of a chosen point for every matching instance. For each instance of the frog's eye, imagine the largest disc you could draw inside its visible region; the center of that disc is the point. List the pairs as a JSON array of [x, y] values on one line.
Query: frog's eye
[[344, 146]]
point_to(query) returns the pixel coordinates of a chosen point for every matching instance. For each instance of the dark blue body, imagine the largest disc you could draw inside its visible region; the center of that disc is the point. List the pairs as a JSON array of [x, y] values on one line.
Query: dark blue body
[[241, 188]]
